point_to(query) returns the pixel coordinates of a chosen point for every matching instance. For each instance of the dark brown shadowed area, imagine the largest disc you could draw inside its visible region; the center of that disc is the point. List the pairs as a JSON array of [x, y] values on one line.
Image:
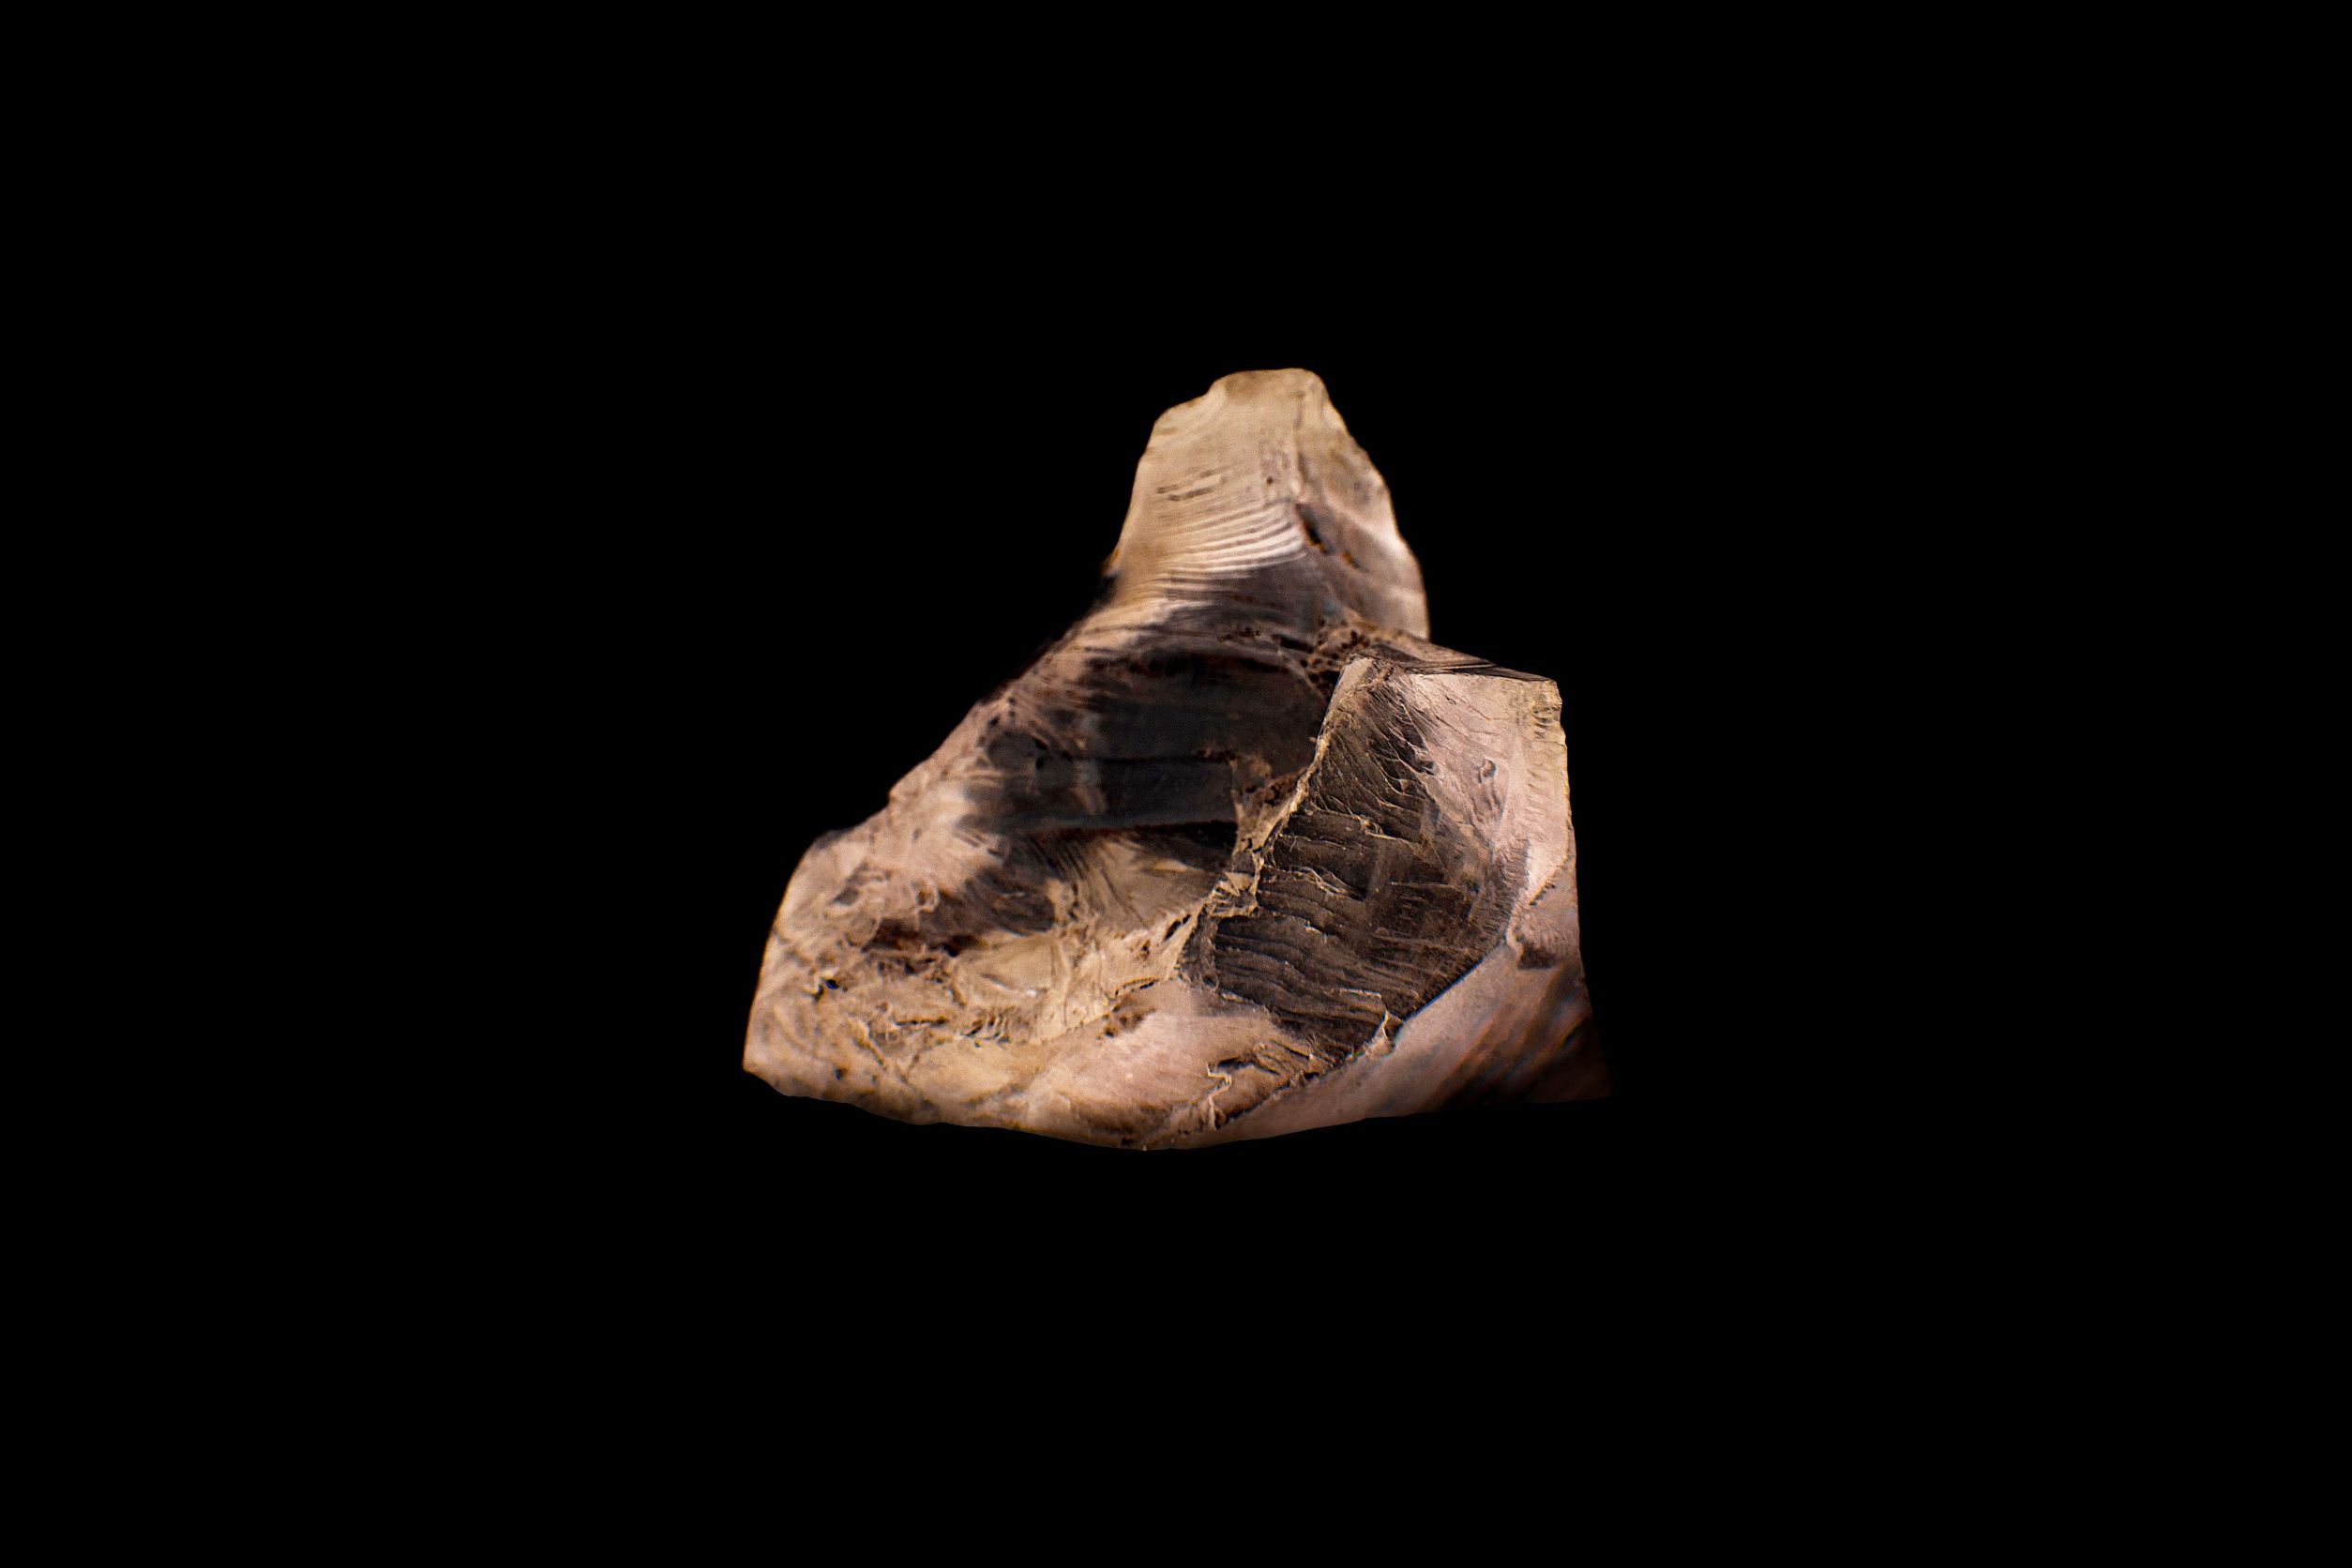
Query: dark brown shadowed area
[[1363, 908]]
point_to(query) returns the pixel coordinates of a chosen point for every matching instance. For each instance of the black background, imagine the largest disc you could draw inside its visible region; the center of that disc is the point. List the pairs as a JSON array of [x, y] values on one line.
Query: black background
[[773, 553], [704, 499]]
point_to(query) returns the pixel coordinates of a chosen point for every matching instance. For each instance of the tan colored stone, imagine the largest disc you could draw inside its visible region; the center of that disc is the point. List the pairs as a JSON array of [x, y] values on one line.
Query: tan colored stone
[[1240, 853]]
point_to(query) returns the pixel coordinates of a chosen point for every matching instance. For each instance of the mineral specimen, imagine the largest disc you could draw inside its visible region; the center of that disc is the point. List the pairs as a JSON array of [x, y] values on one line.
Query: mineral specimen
[[1241, 853]]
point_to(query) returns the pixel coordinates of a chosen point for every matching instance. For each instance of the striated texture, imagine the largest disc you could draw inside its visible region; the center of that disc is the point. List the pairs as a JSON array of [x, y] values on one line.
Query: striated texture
[[1242, 852]]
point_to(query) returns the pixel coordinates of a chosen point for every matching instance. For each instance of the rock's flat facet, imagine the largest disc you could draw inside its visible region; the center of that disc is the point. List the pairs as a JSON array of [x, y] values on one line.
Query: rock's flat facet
[[1240, 853]]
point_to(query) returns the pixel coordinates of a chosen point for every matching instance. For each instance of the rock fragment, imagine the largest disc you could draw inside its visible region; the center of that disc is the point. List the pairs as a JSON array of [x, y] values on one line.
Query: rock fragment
[[1240, 853]]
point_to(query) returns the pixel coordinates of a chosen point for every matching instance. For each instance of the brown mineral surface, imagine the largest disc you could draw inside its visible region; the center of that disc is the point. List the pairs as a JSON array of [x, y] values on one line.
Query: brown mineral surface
[[1241, 853]]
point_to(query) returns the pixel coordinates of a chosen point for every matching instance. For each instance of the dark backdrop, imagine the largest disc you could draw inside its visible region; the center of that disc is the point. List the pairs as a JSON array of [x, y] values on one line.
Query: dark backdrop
[[708, 499], [773, 555]]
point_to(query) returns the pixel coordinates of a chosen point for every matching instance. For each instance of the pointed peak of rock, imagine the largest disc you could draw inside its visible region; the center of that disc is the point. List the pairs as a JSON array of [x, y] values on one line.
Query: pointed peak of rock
[[1259, 479]]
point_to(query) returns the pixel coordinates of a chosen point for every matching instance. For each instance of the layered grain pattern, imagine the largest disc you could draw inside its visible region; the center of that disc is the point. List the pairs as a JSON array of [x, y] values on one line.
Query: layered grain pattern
[[1240, 853]]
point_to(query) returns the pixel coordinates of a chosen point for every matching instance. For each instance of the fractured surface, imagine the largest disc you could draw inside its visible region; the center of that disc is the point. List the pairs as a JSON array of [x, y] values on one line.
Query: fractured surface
[[1240, 853]]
